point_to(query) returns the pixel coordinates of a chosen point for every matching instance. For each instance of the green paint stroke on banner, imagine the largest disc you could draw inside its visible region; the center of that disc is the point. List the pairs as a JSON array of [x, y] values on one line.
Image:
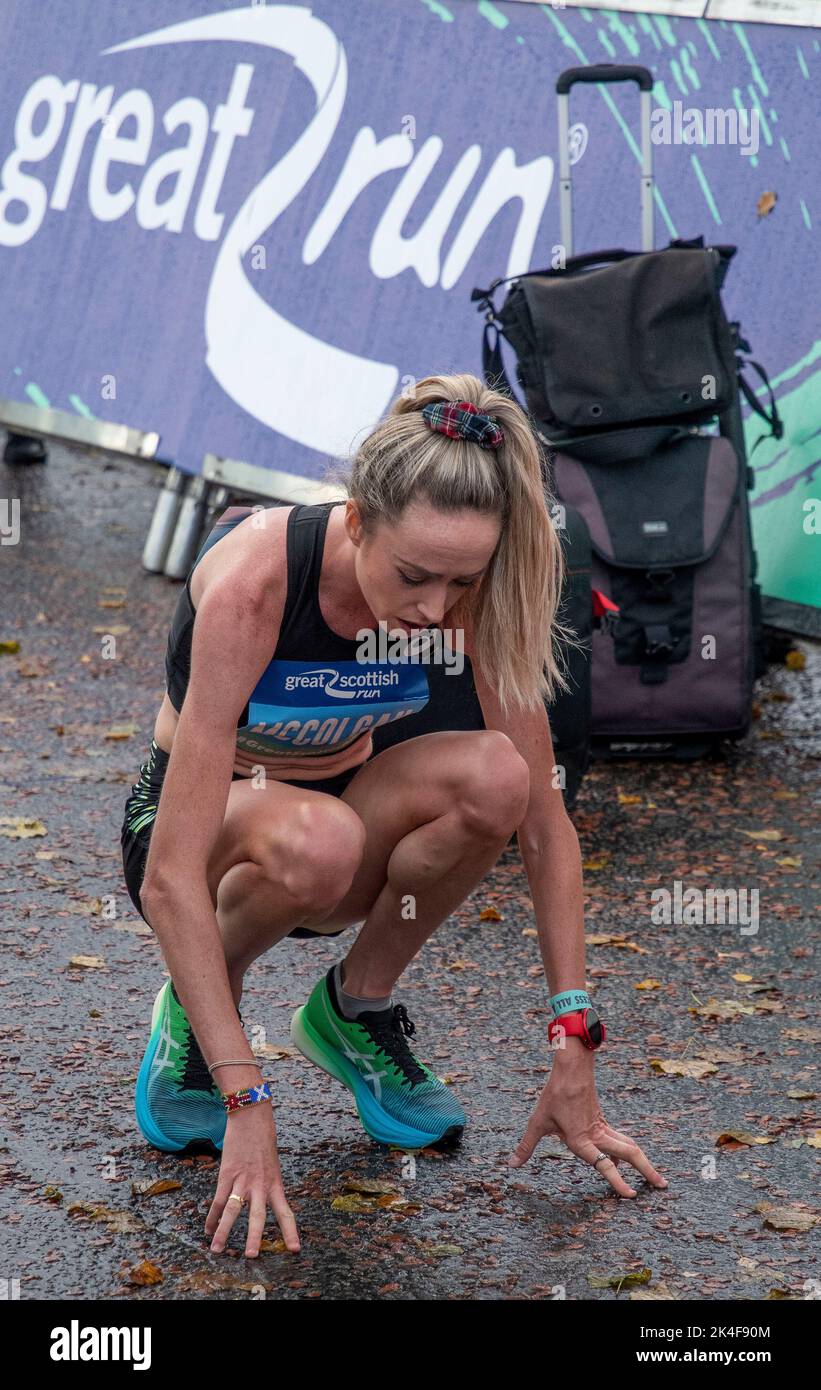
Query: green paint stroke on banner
[[81, 407], [492, 14], [35, 394], [788, 475]]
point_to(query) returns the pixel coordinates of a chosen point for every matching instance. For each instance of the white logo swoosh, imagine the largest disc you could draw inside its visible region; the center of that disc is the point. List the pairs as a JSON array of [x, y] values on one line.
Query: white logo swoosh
[[266, 364]]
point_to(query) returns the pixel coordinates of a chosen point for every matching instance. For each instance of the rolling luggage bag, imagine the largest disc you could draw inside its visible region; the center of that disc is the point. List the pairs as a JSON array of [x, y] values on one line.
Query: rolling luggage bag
[[624, 357]]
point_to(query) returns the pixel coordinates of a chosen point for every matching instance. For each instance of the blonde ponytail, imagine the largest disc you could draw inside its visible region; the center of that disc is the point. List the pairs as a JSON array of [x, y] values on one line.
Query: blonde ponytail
[[517, 637]]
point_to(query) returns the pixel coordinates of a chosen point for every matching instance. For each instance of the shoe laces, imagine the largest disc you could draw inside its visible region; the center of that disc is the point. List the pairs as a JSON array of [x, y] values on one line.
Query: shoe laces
[[389, 1030], [196, 1076]]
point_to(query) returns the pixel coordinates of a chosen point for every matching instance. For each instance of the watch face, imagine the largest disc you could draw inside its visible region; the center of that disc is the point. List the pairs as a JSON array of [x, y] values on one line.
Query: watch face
[[594, 1027]]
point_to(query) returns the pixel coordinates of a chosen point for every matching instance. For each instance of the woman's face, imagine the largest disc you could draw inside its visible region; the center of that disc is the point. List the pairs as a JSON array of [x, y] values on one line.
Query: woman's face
[[412, 572]]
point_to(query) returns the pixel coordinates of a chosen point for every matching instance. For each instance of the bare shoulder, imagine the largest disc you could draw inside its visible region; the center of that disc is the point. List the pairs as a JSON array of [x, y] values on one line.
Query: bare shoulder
[[252, 558]]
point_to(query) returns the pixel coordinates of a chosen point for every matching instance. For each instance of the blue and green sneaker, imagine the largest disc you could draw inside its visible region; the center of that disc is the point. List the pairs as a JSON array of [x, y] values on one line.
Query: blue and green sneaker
[[400, 1101], [176, 1101]]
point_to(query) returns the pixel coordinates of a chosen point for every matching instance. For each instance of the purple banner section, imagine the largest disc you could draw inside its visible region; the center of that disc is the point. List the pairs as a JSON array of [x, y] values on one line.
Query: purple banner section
[[248, 227]]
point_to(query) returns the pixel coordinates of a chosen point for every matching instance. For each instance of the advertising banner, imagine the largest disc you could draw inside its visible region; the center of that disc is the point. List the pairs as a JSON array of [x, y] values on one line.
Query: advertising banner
[[248, 227]]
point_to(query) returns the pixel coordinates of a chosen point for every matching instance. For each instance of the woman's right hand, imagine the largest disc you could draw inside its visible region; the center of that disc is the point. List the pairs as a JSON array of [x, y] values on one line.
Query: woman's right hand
[[250, 1167]]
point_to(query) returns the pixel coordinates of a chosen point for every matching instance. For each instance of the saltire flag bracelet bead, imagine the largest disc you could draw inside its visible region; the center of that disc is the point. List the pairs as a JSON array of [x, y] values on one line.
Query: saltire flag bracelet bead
[[235, 1100]]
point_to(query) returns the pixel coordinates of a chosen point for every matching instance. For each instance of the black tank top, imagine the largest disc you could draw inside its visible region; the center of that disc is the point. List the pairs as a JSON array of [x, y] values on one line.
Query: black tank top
[[315, 697]]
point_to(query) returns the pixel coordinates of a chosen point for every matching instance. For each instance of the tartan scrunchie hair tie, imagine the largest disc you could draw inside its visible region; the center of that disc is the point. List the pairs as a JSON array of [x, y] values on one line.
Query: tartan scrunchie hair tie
[[462, 420]]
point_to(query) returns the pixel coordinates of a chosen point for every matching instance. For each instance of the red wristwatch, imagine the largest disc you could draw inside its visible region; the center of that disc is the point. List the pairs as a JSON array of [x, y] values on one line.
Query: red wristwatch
[[580, 1023]]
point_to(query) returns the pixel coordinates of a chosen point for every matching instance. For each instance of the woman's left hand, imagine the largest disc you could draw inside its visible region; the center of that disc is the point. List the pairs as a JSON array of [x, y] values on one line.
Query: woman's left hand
[[569, 1107]]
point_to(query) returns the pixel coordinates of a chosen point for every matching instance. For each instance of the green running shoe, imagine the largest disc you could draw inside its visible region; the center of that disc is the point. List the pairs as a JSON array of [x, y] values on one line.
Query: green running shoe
[[400, 1101], [176, 1101]]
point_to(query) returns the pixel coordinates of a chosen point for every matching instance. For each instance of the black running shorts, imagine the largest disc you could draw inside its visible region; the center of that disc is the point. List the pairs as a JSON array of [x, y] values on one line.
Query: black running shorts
[[141, 809]]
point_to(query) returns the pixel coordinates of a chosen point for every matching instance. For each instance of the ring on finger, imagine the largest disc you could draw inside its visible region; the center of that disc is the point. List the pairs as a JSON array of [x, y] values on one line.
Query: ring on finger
[[599, 1158], [235, 1197]]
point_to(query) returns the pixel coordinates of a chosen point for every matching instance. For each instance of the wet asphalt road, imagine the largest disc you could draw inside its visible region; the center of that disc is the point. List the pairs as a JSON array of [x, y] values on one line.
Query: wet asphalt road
[[71, 1038]]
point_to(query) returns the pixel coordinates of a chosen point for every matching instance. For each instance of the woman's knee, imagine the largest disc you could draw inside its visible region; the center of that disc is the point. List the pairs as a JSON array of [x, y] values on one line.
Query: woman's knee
[[494, 787], [316, 855]]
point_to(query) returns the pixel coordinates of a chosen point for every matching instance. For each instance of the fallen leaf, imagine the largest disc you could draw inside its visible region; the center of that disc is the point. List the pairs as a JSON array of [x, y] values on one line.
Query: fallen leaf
[[726, 1008], [648, 984], [153, 1187], [619, 1281], [786, 1218], [118, 1222], [144, 1274], [677, 1066], [20, 827], [795, 660], [374, 1187], [489, 914], [275, 1051], [763, 834], [273, 1247], [738, 1138], [86, 963], [615, 939], [121, 731], [766, 203]]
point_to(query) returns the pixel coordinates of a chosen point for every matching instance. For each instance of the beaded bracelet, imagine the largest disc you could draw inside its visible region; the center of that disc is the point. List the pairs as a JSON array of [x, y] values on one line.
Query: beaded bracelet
[[250, 1095]]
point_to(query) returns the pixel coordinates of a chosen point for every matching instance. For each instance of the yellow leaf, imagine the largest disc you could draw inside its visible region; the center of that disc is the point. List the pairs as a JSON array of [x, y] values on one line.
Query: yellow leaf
[[489, 914], [119, 731], [785, 796], [648, 984], [275, 1051], [629, 800], [9, 646], [763, 834], [154, 1187], [372, 1187], [790, 862], [20, 827], [742, 979], [795, 660], [86, 963], [145, 1273], [273, 1247], [594, 864]]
